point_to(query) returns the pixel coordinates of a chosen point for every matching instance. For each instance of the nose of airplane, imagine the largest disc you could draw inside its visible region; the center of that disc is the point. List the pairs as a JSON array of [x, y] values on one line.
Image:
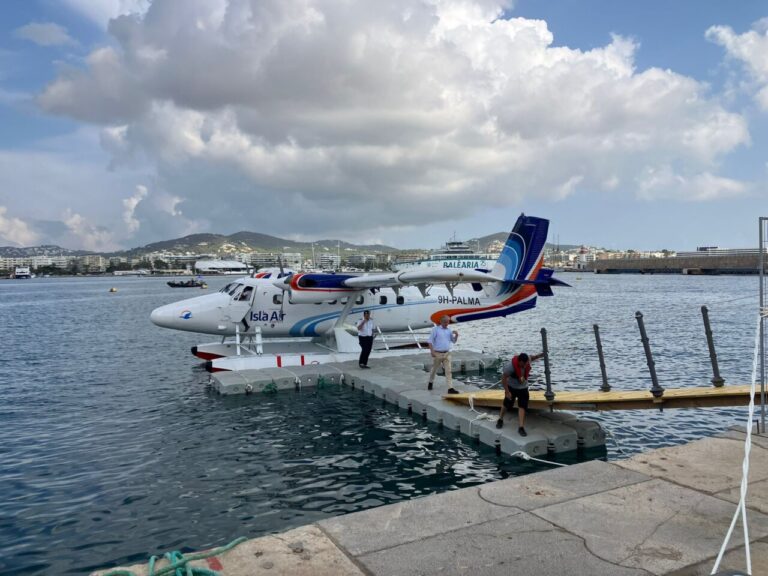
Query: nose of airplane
[[163, 317]]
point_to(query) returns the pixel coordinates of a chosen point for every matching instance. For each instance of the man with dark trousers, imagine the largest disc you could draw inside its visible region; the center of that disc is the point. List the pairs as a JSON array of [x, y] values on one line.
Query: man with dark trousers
[[514, 378], [365, 337]]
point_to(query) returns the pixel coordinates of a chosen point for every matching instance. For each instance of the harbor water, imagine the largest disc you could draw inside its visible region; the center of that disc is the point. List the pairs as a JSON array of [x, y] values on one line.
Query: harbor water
[[112, 447]]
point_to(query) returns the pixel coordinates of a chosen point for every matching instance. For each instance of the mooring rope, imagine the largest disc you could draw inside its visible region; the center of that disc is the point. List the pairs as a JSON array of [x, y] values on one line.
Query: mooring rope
[[480, 415], [741, 509], [178, 563], [526, 456]]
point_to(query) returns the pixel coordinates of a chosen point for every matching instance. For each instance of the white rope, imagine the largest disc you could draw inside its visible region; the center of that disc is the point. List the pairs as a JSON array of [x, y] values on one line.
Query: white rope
[[742, 507], [480, 415], [524, 456]]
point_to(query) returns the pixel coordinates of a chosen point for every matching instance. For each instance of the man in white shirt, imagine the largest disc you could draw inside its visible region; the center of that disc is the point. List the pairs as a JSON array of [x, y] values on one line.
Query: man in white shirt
[[365, 337], [441, 339]]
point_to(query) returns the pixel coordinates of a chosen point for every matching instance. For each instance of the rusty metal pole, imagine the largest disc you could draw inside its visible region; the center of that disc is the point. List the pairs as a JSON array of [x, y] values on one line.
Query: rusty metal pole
[[717, 380], [656, 390], [605, 387], [549, 395]]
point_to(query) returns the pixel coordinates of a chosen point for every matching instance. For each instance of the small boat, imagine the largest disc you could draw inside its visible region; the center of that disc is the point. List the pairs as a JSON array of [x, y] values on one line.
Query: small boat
[[187, 284]]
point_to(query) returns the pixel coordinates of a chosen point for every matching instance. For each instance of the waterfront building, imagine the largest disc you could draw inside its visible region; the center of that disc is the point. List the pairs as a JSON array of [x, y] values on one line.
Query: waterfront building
[[329, 261]]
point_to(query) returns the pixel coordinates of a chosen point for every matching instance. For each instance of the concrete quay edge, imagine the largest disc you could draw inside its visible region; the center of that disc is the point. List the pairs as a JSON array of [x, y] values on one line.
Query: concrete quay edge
[[662, 512]]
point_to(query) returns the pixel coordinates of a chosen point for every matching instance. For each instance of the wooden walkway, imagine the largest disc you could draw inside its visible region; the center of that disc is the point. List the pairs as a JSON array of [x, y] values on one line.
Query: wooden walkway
[[595, 400]]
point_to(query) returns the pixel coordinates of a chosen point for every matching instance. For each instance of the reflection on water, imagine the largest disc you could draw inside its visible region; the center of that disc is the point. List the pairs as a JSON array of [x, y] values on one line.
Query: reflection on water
[[112, 448]]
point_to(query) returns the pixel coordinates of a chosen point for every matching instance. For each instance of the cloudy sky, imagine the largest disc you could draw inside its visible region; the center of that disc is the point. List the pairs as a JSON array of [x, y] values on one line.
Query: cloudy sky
[[639, 124]]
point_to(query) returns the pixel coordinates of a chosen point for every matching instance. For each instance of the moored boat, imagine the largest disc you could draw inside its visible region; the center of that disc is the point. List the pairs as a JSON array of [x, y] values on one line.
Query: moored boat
[[187, 284]]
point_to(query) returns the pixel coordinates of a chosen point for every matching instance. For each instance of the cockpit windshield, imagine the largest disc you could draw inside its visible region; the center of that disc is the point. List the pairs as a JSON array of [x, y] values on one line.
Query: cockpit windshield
[[227, 287]]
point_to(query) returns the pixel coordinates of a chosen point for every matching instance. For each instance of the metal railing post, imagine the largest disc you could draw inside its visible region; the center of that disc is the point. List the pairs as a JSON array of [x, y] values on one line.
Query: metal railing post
[[549, 395], [656, 390], [605, 386], [717, 380]]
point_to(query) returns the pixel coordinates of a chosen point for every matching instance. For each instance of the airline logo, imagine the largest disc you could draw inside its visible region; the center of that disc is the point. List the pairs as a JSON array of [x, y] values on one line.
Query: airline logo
[[185, 314]]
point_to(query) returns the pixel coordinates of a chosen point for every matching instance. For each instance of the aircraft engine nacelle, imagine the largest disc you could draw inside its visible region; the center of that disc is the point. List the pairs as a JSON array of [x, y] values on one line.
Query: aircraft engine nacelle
[[312, 288]]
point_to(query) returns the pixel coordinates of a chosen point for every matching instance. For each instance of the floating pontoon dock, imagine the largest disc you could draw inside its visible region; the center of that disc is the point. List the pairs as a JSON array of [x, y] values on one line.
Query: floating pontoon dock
[[402, 380]]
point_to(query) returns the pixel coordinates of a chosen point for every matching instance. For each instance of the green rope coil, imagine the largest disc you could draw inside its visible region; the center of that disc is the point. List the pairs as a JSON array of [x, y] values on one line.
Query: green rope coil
[[270, 388], [178, 563]]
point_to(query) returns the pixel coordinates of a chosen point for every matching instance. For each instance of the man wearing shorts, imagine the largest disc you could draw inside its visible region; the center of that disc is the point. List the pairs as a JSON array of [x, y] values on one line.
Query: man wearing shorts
[[514, 378]]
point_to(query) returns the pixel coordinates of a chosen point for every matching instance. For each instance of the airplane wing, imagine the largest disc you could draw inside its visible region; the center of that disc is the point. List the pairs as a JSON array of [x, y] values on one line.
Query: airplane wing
[[411, 277]]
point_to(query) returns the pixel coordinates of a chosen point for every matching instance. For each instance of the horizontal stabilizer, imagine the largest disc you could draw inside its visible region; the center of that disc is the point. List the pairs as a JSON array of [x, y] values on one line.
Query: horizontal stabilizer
[[544, 282]]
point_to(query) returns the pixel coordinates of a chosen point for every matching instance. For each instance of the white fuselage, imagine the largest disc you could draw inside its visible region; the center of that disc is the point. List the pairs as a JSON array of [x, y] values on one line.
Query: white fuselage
[[248, 303]]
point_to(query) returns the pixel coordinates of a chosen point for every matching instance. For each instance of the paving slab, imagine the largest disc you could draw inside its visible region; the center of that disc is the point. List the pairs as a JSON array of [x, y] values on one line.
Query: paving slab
[[691, 464], [739, 434], [655, 525], [757, 496], [559, 485], [305, 551], [732, 560], [387, 526], [515, 545]]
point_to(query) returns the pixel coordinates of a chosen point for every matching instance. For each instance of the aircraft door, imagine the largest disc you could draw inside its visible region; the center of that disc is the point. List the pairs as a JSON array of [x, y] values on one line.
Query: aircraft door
[[267, 311], [241, 299]]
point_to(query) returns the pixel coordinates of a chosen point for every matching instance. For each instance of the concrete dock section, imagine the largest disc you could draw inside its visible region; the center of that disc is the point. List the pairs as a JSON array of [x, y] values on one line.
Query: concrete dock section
[[664, 512], [402, 380]]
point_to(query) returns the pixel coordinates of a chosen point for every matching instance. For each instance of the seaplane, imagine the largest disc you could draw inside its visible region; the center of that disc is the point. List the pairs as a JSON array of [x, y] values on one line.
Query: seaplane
[[279, 318]]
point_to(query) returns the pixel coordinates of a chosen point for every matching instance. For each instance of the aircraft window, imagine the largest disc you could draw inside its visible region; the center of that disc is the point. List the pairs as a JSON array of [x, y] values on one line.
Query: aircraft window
[[332, 302], [245, 295], [234, 287], [226, 288], [359, 300], [382, 299], [400, 299], [277, 299], [344, 300], [236, 292]]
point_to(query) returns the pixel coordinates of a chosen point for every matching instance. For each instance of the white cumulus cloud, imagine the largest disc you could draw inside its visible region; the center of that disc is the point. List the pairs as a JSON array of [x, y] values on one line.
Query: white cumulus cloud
[[15, 230], [751, 50], [100, 12], [91, 237], [322, 116], [45, 34], [129, 208]]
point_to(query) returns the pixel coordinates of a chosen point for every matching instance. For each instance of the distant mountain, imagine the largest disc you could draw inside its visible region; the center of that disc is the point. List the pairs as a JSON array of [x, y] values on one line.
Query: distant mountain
[[247, 242], [240, 242], [45, 250]]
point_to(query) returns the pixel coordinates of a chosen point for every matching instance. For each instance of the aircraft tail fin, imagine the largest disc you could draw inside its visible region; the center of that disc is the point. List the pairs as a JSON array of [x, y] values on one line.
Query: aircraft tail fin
[[522, 251]]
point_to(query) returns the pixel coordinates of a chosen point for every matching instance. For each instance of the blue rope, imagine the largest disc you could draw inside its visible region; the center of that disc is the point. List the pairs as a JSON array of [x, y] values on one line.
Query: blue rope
[[179, 564]]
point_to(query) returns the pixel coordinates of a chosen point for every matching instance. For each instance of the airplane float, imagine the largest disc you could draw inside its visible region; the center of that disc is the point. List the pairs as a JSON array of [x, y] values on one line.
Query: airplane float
[[278, 318]]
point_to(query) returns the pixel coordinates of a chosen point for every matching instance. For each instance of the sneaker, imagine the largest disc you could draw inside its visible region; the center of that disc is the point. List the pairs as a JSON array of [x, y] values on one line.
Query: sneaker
[[453, 391], [429, 386], [522, 431], [365, 366], [499, 423]]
